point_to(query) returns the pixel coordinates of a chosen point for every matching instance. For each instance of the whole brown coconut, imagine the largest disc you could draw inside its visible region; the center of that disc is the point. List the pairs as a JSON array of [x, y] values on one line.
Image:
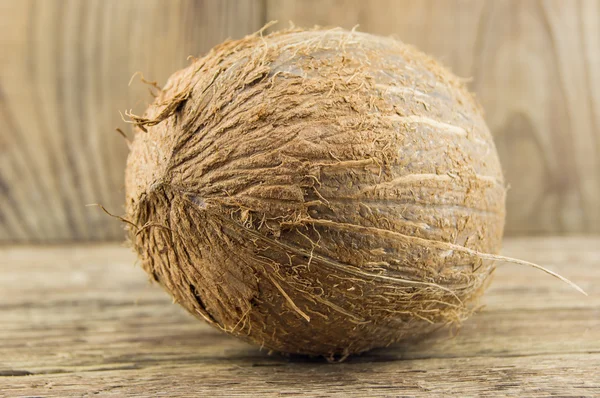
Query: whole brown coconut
[[320, 192]]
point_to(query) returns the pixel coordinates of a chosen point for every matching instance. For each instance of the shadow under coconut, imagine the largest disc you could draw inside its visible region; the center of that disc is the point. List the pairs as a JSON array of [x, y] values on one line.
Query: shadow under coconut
[[423, 347]]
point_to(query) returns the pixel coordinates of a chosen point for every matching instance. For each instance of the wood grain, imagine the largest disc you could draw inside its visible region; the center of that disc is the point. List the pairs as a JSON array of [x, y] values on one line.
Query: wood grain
[[65, 64], [535, 66], [83, 320], [64, 73]]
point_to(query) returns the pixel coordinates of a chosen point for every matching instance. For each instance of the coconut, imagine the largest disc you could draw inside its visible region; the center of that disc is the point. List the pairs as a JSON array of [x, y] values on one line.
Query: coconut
[[320, 192]]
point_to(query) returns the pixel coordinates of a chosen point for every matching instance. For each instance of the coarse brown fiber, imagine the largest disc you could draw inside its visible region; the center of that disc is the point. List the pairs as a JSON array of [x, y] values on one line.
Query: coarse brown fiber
[[320, 192]]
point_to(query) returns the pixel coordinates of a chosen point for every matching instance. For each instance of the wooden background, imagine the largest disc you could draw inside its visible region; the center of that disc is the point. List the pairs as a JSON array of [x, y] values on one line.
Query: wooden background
[[65, 67]]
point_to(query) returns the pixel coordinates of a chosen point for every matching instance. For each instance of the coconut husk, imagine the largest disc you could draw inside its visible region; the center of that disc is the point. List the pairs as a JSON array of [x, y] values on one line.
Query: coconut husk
[[319, 192]]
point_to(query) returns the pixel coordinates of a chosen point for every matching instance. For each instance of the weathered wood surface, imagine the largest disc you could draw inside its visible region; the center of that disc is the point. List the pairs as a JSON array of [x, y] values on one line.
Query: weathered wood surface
[[84, 321]]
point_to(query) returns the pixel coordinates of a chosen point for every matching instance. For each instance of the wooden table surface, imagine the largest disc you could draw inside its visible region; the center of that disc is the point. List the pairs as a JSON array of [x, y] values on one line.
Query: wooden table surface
[[85, 321]]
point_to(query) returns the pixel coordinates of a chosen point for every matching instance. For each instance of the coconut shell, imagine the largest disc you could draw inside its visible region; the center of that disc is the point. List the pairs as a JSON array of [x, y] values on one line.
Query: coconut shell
[[318, 192]]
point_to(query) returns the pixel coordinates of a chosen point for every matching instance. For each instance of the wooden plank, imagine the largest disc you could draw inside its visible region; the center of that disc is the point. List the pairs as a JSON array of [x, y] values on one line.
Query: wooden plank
[[535, 66], [83, 320], [65, 67], [64, 73]]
